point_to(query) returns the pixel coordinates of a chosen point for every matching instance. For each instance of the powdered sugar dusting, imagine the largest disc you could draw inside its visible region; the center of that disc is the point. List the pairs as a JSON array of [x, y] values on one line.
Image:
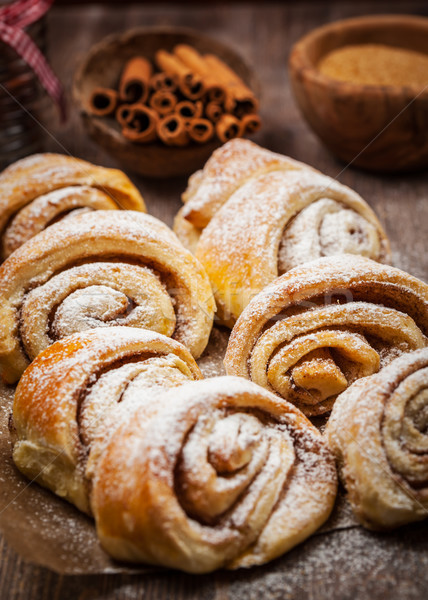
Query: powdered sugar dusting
[[60, 203], [384, 416], [277, 220], [34, 176], [178, 283], [324, 228], [211, 361], [227, 169], [274, 454], [348, 304]]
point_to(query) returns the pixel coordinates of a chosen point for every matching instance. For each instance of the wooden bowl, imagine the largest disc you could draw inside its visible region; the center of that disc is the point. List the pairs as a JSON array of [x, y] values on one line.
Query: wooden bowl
[[379, 128], [102, 67]]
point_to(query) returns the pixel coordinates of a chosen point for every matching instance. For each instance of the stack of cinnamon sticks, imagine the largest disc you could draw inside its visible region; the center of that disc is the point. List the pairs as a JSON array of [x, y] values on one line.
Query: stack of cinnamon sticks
[[185, 97]]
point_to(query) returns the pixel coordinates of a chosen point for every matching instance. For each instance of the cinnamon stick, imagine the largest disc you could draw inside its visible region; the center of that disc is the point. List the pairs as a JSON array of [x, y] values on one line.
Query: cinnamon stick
[[228, 127], [200, 130], [240, 99], [163, 102], [188, 109], [215, 90], [164, 82], [103, 102], [251, 123], [123, 113], [134, 82], [141, 124], [172, 131], [147, 106], [190, 83], [213, 111]]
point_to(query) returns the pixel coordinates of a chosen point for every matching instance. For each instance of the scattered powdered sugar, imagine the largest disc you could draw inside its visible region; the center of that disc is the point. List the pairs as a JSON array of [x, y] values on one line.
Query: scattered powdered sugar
[[354, 563], [48, 170], [98, 343], [326, 227], [44, 210], [241, 244], [262, 213], [225, 171], [313, 461], [329, 276], [195, 408], [122, 235], [211, 361]]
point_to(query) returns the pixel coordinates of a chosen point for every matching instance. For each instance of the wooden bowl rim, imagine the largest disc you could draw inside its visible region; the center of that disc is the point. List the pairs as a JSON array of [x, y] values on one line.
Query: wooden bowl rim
[[299, 61]]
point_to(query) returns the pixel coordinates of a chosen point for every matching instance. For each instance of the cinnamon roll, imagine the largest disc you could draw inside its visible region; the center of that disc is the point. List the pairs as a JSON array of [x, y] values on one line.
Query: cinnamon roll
[[189, 474], [68, 401], [98, 270], [252, 215], [378, 432], [323, 325], [44, 188]]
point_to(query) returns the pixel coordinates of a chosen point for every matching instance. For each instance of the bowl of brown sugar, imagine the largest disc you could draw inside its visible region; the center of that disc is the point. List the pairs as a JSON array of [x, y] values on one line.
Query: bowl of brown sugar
[[362, 86]]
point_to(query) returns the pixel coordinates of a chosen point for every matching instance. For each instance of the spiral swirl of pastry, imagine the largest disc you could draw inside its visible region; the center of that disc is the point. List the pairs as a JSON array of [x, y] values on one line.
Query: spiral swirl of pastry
[[266, 215], [72, 396], [323, 325], [328, 227], [378, 432], [208, 474], [221, 475], [44, 188], [49, 208], [100, 269]]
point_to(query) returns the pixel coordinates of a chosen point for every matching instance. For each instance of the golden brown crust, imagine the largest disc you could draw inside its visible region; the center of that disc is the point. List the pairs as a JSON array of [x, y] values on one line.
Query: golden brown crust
[[49, 208], [54, 413], [228, 168], [242, 246], [189, 474], [377, 431], [252, 215], [358, 313], [100, 269], [221, 474], [33, 177], [187, 233]]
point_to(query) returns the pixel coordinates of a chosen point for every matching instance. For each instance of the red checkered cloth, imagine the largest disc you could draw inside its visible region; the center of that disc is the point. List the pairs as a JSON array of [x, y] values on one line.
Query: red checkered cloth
[[13, 19]]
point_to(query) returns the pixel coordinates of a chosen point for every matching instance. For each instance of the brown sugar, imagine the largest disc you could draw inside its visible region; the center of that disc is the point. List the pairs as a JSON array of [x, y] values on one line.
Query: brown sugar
[[376, 64]]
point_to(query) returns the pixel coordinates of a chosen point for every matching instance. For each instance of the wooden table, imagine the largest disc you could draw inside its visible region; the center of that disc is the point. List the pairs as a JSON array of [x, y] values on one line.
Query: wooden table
[[349, 563]]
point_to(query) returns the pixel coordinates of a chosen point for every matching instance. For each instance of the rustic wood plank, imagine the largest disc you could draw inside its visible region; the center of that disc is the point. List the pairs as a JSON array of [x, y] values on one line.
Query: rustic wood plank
[[352, 563]]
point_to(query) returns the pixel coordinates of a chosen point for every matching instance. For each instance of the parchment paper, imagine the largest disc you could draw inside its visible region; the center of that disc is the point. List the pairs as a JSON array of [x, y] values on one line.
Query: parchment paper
[[49, 532]]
